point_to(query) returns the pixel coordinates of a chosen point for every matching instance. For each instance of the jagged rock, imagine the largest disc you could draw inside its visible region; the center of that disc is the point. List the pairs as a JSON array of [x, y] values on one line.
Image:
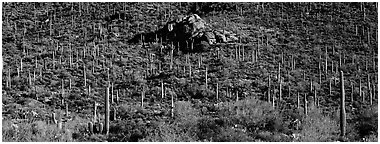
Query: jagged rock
[[194, 29]]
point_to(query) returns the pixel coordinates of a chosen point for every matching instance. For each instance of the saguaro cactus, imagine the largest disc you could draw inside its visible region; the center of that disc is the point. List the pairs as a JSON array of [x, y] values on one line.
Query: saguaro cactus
[[305, 104], [117, 96], [90, 127], [84, 74], [59, 125], [95, 112], [113, 114], [53, 119], [280, 90], [162, 90], [315, 96], [20, 64], [172, 107], [67, 109], [330, 88], [342, 107], [269, 88], [142, 97], [369, 89], [112, 94], [101, 128], [63, 89], [237, 96], [360, 89], [18, 72], [352, 93], [206, 77], [217, 92], [107, 111], [326, 63], [273, 96], [298, 100]]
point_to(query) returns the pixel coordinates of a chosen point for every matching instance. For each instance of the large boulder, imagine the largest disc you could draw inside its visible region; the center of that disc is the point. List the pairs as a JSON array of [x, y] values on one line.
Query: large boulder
[[193, 27], [185, 28]]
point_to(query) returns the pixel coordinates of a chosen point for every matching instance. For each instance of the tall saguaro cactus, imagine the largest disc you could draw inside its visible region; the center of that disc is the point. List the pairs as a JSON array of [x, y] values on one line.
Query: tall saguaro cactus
[[84, 74], [107, 111], [206, 77], [298, 100], [162, 90], [342, 107], [269, 88], [95, 113], [305, 102], [217, 92]]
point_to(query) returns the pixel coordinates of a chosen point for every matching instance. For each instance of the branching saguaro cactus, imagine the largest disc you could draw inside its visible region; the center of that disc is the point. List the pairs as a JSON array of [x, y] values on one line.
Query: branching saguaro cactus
[[342, 107]]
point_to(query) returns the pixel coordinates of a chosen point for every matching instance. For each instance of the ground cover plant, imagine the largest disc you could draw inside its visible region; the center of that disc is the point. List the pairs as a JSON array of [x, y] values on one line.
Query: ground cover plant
[[85, 72]]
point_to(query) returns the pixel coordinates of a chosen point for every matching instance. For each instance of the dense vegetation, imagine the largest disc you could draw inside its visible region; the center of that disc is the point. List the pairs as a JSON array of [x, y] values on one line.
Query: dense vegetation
[[63, 56]]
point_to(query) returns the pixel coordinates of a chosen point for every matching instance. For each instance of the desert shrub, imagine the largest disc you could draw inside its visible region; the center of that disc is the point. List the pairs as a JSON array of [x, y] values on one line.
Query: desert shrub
[[169, 132], [186, 116], [127, 111], [242, 121], [208, 129], [367, 122], [183, 128], [220, 130], [229, 134], [124, 130], [39, 131], [196, 91], [252, 114], [317, 127], [205, 8]]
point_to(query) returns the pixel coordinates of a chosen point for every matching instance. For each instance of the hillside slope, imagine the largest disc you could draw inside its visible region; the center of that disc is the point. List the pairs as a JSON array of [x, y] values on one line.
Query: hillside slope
[[67, 54]]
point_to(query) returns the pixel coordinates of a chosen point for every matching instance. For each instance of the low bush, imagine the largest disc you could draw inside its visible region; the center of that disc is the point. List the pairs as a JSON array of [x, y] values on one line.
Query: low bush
[[317, 127], [38, 131], [367, 123]]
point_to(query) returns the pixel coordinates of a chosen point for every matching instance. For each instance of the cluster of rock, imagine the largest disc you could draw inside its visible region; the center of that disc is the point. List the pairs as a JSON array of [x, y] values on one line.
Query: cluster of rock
[[194, 28]]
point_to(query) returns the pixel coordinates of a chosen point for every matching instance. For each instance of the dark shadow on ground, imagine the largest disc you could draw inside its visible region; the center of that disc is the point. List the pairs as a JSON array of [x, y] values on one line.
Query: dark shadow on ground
[[176, 39]]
